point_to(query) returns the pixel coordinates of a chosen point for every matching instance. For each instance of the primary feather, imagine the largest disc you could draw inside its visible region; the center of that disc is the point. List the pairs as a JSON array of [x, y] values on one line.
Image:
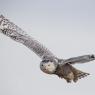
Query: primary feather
[[14, 32]]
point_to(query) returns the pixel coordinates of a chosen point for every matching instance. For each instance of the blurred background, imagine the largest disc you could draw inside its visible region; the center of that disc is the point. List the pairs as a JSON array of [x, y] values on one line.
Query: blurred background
[[66, 27]]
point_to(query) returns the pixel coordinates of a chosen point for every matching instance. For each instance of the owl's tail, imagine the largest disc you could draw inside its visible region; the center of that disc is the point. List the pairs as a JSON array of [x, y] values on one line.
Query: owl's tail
[[78, 74]]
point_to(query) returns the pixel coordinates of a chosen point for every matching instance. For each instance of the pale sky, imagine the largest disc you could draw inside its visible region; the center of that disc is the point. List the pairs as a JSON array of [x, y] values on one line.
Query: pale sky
[[66, 27]]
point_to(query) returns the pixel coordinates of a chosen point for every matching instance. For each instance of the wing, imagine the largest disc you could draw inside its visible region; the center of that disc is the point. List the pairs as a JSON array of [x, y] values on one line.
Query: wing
[[17, 34], [80, 59]]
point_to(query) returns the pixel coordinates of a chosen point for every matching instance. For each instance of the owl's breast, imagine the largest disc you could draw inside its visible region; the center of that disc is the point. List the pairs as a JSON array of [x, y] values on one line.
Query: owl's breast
[[64, 71]]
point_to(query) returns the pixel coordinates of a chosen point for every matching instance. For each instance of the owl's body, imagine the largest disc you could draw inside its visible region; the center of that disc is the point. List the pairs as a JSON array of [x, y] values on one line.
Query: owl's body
[[50, 64], [69, 73], [65, 72]]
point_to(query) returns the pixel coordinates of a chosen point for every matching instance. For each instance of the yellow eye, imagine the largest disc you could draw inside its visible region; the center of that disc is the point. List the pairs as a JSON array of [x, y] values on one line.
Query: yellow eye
[[48, 64]]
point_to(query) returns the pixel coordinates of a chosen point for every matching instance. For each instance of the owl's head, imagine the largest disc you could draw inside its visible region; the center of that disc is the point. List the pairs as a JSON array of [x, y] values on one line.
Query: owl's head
[[48, 66]]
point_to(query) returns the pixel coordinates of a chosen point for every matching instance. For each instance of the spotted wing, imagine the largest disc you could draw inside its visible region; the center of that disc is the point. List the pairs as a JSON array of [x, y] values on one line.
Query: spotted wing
[[80, 59], [14, 32]]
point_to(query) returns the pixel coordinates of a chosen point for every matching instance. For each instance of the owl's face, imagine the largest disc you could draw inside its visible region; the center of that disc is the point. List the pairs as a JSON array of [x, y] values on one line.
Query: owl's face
[[48, 66]]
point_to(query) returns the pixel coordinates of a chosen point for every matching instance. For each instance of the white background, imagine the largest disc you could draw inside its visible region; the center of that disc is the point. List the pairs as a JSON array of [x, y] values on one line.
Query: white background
[[66, 27]]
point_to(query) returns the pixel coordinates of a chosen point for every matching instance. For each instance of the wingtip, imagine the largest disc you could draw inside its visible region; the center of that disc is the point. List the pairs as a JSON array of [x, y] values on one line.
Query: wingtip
[[1, 16], [92, 56]]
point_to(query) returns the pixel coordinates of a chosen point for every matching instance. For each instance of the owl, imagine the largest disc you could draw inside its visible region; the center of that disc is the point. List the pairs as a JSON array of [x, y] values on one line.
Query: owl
[[50, 64]]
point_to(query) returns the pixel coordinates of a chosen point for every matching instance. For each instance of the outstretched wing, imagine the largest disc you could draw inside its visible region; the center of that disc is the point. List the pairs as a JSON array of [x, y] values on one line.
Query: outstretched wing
[[17, 34], [80, 59]]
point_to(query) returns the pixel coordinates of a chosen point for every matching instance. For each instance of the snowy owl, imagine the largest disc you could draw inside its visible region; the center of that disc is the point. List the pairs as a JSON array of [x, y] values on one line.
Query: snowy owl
[[50, 64]]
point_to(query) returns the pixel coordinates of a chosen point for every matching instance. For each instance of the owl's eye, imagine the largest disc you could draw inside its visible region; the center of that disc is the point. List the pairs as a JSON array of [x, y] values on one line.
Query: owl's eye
[[48, 64], [42, 65]]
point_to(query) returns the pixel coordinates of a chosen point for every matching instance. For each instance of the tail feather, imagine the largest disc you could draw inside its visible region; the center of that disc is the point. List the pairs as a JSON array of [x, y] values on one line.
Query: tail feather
[[78, 74], [82, 74]]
